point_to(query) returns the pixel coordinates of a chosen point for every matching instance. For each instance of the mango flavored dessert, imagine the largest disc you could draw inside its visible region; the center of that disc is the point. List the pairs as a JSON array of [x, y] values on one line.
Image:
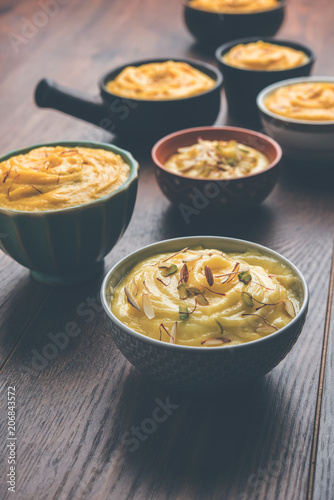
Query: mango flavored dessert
[[234, 6], [264, 56], [160, 81], [310, 101], [52, 178], [206, 298], [217, 160]]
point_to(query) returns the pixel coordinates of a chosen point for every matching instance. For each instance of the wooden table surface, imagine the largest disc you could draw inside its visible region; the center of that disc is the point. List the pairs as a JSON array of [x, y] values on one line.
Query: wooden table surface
[[75, 414]]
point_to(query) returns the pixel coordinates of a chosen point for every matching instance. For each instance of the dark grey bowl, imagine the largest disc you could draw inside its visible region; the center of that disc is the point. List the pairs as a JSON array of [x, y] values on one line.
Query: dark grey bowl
[[213, 29], [198, 369], [243, 85], [137, 118]]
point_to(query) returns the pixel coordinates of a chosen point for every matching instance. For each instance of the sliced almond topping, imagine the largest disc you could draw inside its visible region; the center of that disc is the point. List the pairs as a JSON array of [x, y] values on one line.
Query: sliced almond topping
[[184, 273], [173, 332], [147, 306], [216, 342], [192, 258], [208, 275], [135, 286], [131, 299], [290, 308]]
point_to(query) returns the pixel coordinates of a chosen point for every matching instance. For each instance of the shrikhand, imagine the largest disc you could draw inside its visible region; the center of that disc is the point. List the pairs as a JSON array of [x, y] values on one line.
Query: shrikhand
[[234, 6], [207, 298], [52, 178], [217, 160], [160, 81], [263, 56], [311, 101]]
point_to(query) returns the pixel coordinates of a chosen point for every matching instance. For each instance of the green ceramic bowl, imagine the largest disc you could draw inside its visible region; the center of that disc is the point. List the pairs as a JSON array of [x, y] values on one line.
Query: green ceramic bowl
[[68, 246], [201, 369]]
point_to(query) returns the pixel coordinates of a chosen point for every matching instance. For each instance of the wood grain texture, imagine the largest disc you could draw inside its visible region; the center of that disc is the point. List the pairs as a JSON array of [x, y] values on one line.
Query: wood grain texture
[[74, 413]]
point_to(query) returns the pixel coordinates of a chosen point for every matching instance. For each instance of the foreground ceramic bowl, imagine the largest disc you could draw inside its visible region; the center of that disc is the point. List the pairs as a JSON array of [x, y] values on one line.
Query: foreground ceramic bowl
[[68, 246], [197, 368], [306, 143], [211, 197], [243, 85], [137, 118], [213, 29]]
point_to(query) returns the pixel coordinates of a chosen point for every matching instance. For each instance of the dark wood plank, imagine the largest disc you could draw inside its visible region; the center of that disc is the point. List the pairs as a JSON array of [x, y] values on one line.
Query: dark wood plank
[[74, 412]]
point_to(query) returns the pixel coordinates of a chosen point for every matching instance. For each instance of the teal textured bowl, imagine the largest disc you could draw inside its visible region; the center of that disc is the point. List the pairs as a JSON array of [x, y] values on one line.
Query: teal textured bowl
[[202, 369], [68, 246]]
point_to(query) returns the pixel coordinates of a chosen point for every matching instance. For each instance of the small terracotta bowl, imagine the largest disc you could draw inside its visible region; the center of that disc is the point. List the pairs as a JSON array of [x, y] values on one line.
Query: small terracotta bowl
[[212, 197]]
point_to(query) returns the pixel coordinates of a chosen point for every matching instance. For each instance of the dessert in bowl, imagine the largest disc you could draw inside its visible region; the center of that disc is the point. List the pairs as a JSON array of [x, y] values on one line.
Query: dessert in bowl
[[299, 113], [143, 99], [231, 169], [64, 205], [205, 313], [213, 22], [251, 64]]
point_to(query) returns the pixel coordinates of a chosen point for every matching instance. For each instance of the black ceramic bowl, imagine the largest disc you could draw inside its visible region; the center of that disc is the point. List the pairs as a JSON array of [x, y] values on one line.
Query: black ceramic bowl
[[135, 117], [243, 85], [213, 29]]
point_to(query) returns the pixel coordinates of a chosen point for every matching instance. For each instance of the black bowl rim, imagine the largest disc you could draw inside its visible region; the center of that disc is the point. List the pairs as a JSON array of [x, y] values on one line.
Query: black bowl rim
[[293, 121], [133, 164], [222, 129], [235, 14], [223, 49], [192, 62], [183, 240]]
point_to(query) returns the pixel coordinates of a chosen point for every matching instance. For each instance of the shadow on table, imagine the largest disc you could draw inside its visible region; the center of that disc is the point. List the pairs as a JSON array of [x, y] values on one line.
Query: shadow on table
[[206, 442]]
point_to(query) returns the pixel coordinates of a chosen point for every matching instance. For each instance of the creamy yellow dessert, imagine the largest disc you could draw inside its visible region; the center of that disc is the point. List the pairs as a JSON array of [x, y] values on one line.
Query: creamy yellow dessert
[[263, 56], [160, 81], [206, 297], [234, 6], [51, 178], [311, 101], [217, 160]]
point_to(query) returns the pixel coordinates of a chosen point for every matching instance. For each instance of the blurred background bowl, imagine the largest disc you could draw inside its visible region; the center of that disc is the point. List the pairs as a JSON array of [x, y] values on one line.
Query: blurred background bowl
[[198, 368], [213, 29], [305, 143], [68, 246], [243, 85], [136, 118], [211, 197]]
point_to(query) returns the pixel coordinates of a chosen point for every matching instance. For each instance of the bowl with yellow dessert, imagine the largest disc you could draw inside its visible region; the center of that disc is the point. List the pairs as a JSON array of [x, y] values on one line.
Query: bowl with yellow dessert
[[251, 64], [213, 22], [299, 113], [204, 313], [64, 205], [216, 171], [143, 99]]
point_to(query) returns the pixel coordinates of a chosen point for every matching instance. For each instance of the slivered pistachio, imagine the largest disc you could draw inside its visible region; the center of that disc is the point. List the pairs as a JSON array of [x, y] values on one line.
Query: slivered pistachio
[[184, 273], [168, 271], [183, 291], [247, 299], [208, 275], [131, 299], [183, 312], [221, 330], [201, 300], [147, 306], [193, 290], [245, 277], [290, 308]]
